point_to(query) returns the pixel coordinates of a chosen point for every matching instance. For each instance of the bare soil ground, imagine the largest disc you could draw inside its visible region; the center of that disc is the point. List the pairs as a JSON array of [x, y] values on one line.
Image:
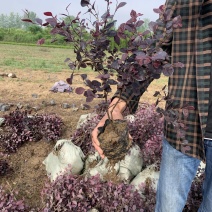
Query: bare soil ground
[[29, 175]]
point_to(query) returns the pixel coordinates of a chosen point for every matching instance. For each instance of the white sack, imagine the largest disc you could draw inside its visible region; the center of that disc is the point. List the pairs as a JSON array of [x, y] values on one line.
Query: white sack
[[64, 155], [131, 165], [126, 169], [91, 159], [140, 179], [1, 121], [84, 118], [102, 168], [130, 118]]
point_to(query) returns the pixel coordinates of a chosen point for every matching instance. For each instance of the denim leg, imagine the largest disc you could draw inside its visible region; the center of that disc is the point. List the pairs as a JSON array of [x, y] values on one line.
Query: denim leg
[[206, 205], [177, 171]]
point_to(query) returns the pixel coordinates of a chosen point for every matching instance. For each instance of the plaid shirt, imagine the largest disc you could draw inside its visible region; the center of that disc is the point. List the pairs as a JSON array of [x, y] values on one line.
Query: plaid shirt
[[191, 44]]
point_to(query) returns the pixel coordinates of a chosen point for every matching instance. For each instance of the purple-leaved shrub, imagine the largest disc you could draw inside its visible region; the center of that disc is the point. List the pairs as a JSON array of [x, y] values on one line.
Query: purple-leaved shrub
[[82, 136], [9, 203], [147, 132], [20, 128], [195, 195]]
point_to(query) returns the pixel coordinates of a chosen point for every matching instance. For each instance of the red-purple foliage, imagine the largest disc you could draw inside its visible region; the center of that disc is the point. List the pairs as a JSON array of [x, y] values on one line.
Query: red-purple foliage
[[9, 203], [80, 194], [195, 195], [20, 128], [82, 136], [147, 132]]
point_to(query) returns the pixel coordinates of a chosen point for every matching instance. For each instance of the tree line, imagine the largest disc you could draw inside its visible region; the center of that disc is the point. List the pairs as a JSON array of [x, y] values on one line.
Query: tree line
[[14, 30]]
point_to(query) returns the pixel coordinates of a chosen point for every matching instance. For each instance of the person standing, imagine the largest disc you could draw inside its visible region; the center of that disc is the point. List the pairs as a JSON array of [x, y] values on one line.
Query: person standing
[[191, 45]]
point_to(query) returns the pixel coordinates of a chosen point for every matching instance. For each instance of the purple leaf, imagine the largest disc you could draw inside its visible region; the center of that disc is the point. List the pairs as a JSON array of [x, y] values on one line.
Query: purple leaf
[[168, 14], [85, 3], [89, 99], [178, 64], [39, 21], [67, 60], [139, 23], [121, 4], [95, 83], [153, 26], [47, 14], [79, 90], [185, 112], [157, 10], [115, 64], [52, 21], [117, 39], [89, 93], [27, 20], [84, 76], [133, 14], [177, 22], [69, 80], [161, 55], [112, 82], [168, 70], [72, 66], [146, 32]]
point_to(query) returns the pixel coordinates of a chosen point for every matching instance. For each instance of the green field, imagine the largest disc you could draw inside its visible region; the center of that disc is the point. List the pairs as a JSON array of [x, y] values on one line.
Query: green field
[[34, 57]]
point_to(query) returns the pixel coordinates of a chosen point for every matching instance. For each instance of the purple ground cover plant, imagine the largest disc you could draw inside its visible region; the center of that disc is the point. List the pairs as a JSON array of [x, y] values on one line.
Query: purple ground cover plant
[[147, 133], [82, 136], [74, 193], [8, 202], [20, 128], [195, 195]]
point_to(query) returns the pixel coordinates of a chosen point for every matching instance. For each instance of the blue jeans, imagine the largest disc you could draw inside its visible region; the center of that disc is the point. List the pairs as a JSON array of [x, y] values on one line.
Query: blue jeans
[[177, 172]]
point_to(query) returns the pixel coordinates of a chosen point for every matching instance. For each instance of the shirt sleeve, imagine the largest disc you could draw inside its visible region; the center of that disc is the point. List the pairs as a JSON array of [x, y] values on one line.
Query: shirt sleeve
[[128, 95]]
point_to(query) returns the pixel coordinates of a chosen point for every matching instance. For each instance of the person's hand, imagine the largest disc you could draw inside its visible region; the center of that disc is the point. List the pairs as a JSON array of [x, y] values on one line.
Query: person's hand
[[116, 107], [96, 143]]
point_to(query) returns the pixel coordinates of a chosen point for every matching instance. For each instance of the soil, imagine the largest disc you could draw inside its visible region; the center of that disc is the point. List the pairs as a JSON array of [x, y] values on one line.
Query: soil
[[114, 140], [32, 88]]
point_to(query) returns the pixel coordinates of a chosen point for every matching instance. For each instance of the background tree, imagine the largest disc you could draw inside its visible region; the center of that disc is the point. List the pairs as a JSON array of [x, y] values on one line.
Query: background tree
[[13, 20], [31, 15], [144, 26]]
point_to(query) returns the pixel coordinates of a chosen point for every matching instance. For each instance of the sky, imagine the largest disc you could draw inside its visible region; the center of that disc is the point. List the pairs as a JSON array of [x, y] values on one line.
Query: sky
[[58, 7]]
